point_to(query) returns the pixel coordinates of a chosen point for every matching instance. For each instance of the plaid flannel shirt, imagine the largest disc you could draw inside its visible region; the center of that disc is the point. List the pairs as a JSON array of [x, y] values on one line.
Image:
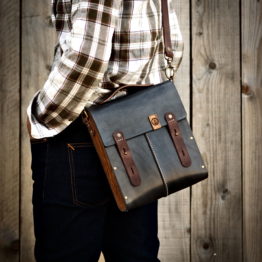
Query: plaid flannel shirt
[[102, 44]]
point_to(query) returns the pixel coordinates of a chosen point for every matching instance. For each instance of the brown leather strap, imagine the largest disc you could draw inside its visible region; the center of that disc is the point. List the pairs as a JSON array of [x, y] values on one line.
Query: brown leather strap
[[166, 29], [178, 139], [127, 158]]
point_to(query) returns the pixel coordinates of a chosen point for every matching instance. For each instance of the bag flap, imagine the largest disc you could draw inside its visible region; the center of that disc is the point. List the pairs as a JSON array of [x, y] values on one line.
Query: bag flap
[[129, 113]]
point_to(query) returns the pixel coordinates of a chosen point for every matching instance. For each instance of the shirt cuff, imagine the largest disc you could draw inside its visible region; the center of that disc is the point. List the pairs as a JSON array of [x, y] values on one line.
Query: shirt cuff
[[38, 130]]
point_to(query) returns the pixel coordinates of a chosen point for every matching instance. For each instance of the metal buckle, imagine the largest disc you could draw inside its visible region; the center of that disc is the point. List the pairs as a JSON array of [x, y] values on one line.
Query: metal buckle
[[170, 69], [154, 121]]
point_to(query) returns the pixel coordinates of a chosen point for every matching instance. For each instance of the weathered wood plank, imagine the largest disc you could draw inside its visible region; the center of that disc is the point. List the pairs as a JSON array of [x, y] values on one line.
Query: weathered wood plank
[[252, 128], [9, 130], [174, 211], [216, 203], [38, 40]]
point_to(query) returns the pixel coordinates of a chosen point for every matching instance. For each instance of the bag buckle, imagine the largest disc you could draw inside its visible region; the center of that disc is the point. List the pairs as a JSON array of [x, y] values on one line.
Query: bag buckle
[[170, 69], [154, 121]]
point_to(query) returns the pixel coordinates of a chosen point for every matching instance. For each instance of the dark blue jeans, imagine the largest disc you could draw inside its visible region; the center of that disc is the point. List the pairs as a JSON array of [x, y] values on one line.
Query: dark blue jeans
[[75, 216]]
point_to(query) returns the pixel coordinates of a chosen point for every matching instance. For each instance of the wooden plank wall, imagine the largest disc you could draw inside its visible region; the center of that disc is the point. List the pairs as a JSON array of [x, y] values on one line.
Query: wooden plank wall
[[252, 128], [219, 81], [216, 203], [9, 129]]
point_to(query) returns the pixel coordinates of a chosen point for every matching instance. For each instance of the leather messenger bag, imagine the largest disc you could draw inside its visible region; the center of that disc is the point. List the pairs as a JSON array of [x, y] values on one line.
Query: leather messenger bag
[[144, 141]]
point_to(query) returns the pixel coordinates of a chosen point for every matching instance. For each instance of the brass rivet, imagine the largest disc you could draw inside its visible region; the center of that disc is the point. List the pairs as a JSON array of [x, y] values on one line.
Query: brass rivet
[[203, 166], [177, 133], [126, 197], [191, 138], [115, 168], [170, 116], [118, 135]]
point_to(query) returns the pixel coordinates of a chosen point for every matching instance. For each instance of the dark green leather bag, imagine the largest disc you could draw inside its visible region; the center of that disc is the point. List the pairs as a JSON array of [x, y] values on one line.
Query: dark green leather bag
[[145, 145], [144, 140]]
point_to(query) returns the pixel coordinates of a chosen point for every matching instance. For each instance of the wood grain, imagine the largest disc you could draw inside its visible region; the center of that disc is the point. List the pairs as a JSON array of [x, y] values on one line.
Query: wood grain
[[38, 40], [252, 128], [214, 217], [216, 203], [174, 211], [9, 130]]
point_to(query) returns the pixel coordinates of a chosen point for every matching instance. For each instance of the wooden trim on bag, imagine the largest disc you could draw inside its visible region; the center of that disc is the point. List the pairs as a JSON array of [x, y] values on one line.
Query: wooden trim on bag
[[99, 146]]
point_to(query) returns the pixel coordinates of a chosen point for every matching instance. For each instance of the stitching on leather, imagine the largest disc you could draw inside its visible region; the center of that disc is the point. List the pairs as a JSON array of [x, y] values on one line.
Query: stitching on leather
[[158, 165]]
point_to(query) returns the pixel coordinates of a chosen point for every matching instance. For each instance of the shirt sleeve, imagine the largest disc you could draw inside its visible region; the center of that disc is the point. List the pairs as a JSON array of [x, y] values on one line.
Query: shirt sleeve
[[74, 81]]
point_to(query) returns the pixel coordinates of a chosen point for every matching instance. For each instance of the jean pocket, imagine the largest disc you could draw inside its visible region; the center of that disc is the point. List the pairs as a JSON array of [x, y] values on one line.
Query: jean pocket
[[88, 180]]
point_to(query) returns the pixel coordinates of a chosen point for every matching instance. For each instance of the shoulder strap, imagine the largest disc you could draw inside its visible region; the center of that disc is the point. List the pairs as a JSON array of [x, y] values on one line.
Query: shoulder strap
[[166, 29]]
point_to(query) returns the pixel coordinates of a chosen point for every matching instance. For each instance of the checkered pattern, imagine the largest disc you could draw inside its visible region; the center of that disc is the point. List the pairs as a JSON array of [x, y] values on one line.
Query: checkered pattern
[[102, 45]]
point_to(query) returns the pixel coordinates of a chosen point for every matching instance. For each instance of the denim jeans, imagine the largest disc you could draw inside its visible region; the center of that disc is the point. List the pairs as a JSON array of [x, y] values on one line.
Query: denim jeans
[[75, 215]]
